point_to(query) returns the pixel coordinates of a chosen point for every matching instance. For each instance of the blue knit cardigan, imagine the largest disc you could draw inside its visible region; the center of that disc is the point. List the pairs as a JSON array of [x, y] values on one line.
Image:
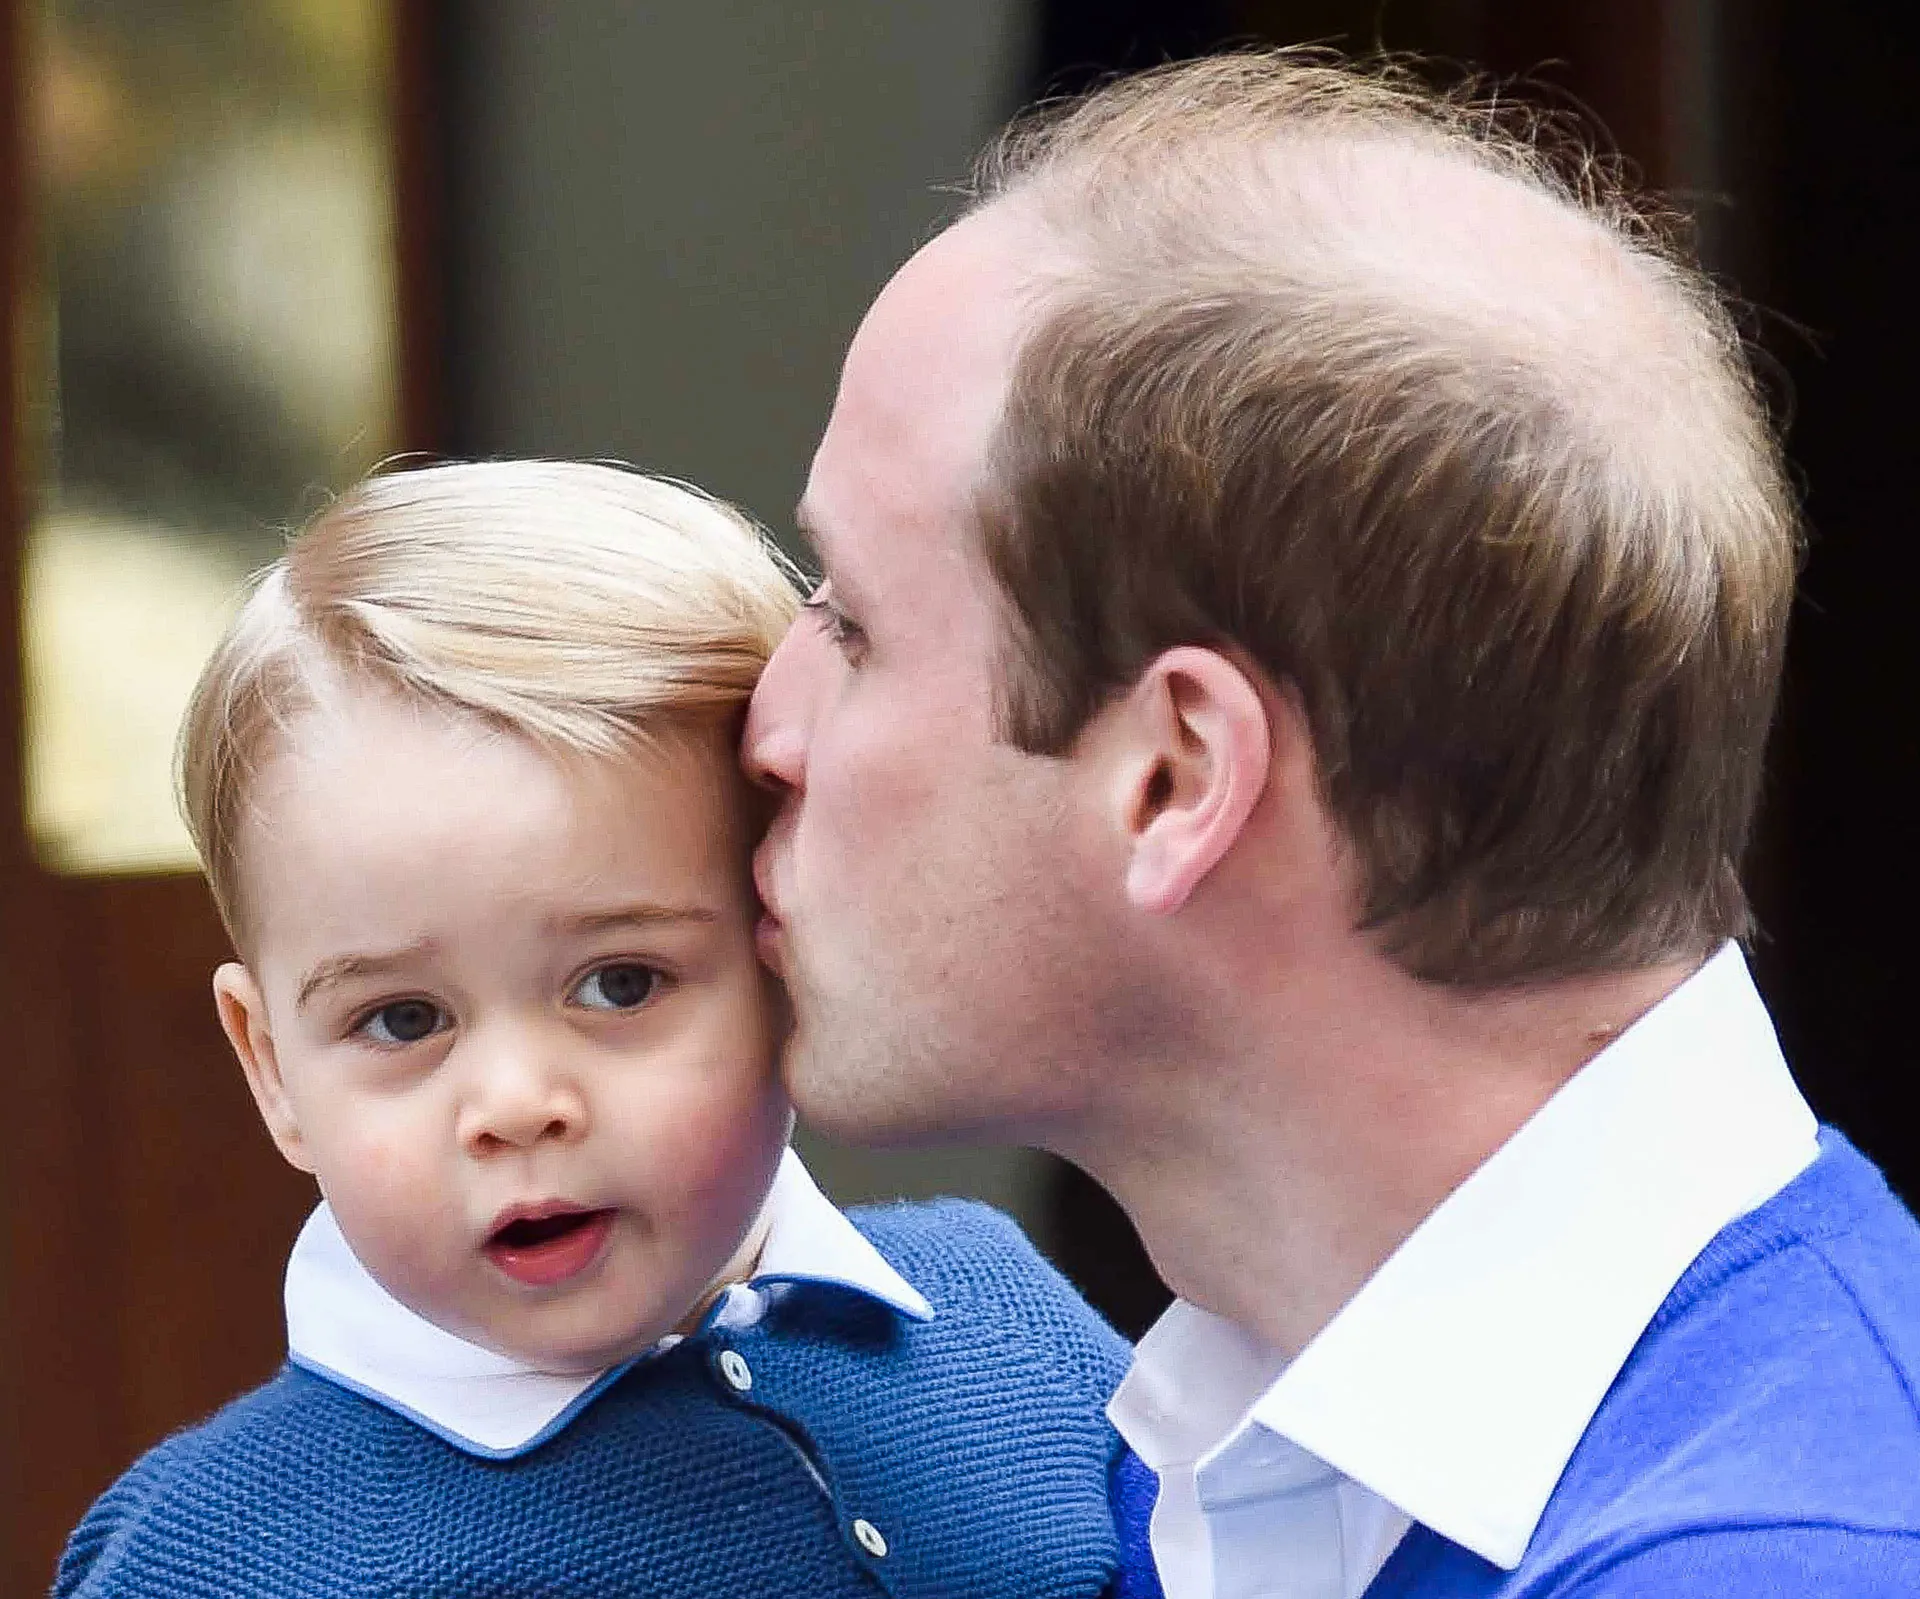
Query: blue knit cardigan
[[962, 1458]]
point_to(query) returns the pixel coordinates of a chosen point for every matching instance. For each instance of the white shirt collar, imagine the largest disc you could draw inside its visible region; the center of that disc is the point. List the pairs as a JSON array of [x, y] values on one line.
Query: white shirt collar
[[1457, 1382], [342, 1325]]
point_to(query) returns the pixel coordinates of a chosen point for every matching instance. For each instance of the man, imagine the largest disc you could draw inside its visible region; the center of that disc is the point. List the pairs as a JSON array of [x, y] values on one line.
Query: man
[[1304, 590]]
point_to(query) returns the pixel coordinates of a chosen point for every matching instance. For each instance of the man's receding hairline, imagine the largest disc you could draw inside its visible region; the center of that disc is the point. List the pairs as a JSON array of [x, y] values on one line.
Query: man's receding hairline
[[1402, 162], [1597, 299]]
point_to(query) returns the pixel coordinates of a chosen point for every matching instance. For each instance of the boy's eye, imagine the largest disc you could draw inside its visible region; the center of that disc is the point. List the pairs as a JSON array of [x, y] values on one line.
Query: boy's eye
[[623, 985], [405, 1021]]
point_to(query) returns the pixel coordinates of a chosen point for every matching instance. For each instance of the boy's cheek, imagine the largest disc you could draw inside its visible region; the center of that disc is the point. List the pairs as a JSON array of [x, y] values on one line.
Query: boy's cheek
[[381, 1174]]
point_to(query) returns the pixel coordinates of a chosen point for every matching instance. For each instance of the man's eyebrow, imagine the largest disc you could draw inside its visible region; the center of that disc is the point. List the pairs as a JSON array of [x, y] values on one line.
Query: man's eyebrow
[[339, 968], [807, 521]]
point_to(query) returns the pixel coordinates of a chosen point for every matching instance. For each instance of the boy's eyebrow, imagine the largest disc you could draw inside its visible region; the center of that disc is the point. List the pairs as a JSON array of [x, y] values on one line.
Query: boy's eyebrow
[[338, 968], [635, 916]]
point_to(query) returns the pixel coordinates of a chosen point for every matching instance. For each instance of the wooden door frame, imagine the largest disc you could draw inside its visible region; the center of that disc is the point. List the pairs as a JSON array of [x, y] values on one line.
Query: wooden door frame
[[101, 1354]]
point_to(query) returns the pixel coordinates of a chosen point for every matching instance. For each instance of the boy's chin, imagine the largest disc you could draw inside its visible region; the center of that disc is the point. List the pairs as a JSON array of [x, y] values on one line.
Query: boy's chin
[[571, 1360], [559, 1351]]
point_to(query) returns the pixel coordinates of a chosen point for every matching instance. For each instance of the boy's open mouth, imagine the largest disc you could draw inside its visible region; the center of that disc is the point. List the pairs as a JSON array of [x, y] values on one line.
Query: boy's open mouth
[[549, 1248]]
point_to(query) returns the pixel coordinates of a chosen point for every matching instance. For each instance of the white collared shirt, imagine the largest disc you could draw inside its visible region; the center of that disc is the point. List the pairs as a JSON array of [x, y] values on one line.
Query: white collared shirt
[[1452, 1389], [342, 1325]]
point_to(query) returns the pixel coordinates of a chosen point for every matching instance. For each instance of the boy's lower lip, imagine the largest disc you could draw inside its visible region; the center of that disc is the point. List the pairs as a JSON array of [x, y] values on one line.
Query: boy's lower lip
[[556, 1260]]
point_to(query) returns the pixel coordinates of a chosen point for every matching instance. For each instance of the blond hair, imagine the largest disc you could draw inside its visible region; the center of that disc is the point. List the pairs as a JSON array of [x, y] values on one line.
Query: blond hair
[[589, 608], [1445, 433]]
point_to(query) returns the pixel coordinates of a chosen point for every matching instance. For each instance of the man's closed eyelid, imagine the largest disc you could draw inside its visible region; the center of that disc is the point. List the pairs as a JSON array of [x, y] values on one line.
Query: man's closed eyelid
[[845, 633]]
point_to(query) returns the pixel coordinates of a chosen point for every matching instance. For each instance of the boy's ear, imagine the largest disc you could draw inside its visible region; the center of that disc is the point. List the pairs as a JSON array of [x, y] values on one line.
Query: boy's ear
[[243, 1017], [1197, 751]]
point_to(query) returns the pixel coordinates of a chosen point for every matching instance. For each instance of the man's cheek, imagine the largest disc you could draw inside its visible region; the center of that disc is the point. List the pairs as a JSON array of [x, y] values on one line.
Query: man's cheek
[[887, 783]]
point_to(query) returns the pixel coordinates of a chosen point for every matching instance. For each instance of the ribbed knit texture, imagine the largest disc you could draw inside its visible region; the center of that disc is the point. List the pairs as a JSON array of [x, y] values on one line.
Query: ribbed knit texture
[[1134, 1489], [1763, 1440], [975, 1443]]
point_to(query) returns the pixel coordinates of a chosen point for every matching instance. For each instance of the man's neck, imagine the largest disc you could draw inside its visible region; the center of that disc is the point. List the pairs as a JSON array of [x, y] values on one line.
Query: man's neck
[[1271, 1176]]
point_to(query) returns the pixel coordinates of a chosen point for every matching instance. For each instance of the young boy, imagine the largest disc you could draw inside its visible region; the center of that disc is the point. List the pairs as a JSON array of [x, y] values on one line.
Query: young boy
[[571, 1318]]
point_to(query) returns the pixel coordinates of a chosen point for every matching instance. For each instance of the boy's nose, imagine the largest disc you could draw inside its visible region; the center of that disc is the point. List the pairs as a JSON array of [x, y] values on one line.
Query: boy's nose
[[517, 1102]]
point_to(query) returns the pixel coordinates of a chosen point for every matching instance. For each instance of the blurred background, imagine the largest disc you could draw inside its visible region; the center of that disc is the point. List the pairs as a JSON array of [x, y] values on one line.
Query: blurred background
[[251, 247]]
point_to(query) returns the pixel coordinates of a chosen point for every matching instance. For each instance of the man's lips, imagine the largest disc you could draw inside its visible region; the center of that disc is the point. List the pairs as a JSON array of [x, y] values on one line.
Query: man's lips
[[766, 942], [763, 883], [766, 932], [541, 1245]]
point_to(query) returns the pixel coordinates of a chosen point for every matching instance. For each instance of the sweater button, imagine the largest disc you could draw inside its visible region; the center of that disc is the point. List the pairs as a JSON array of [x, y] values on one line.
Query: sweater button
[[734, 1367], [868, 1536]]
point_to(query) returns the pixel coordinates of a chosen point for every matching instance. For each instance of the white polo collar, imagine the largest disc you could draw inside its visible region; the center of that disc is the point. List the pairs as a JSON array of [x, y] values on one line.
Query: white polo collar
[[342, 1325], [1457, 1382]]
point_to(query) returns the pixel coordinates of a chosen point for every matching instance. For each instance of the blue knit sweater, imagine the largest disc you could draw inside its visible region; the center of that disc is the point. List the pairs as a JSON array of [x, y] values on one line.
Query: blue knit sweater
[[974, 1445], [1763, 1440]]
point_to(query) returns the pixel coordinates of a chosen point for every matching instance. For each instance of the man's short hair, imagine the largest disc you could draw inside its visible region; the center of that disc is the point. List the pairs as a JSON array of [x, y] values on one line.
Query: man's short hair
[[588, 608], [1446, 436]]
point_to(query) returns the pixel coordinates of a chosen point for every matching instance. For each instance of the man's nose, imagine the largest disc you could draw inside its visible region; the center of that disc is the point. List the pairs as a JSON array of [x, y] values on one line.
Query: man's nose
[[773, 748], [519, 1095]]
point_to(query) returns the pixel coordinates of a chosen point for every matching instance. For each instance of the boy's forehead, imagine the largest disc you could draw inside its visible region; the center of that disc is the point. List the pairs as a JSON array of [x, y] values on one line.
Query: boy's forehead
[[372, 782]]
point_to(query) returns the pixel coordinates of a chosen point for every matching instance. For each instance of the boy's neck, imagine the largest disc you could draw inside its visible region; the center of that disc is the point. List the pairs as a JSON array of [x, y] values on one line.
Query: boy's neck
[[744, 1262]]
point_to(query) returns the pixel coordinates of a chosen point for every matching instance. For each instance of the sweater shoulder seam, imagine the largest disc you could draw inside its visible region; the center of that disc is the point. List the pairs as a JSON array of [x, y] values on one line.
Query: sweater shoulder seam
[[1900, 1374], [1768, 1244], [1781, 1248]]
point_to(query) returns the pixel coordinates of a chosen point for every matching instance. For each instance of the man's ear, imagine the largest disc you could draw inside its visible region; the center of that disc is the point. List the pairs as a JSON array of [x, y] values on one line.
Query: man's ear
[[1197, 751], [243, 1017]]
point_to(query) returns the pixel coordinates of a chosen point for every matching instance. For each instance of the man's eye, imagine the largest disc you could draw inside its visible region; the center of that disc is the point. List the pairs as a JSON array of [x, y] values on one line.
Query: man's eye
[[405, 1021], [846, 633], [624, 985]]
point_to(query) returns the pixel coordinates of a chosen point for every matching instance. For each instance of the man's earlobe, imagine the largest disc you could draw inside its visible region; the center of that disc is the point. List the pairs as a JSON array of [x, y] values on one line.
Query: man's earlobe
[[1201, 748], [243, 1018]]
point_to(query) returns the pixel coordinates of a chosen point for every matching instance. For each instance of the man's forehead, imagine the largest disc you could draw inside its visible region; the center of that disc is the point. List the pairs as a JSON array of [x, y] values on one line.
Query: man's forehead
[[923, 386], [938, 346], [971, 278]]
